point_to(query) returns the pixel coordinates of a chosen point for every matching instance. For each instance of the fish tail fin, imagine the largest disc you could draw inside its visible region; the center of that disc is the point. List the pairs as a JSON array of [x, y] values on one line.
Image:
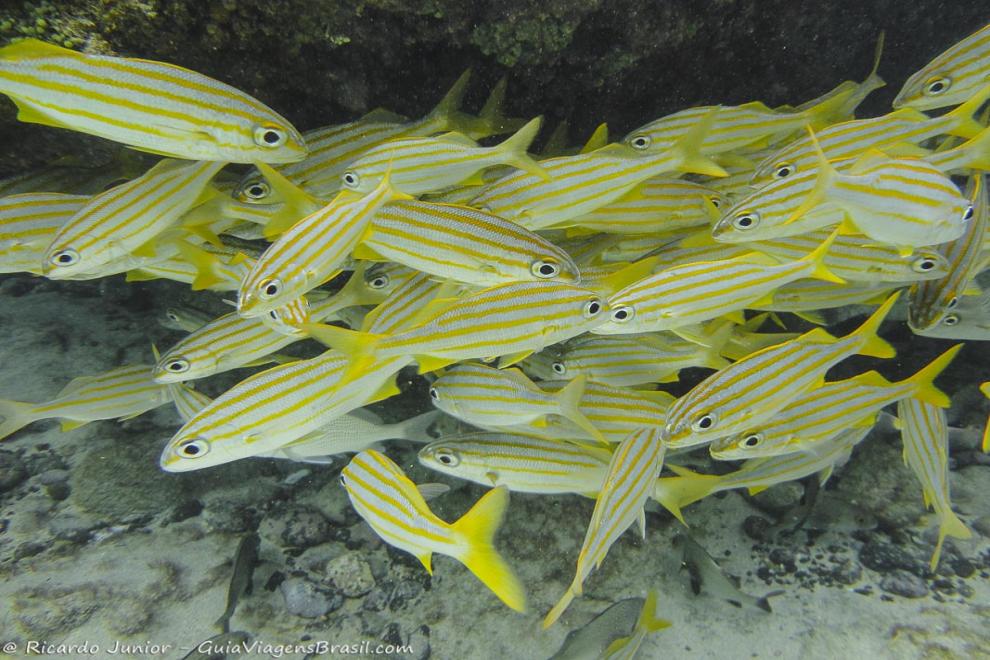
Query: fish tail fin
[[826, 174], [446, 111], [515, 147], [297, 202], [15, 415], [873, 345], [570, 401], [359, 347], [965, 122], [415, 428], [817, 261], [832, 108], [558, 609], [648, 619], [223, 623], [478, 527], [490, 120], [688, 149], [205, 263], [675, 493], [716, 341], [949, 525], [924, 380], [977, 151]]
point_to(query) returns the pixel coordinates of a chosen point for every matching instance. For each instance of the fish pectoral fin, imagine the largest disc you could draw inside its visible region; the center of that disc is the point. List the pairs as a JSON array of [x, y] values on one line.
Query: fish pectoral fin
[[432, 490], [32, 115], [425, 559], [70, 424], [513, 358], [492, 476]]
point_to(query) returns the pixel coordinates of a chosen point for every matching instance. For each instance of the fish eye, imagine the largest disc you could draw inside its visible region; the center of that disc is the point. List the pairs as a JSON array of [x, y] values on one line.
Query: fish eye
[[592, 308], [177, 366], [704, 422], [559, 368], [923, 264], [752, 440], [745, 221], [783, 170], [544, 268], [447, 457], [66, 257], [257, 190], [270, 288], [953, 301], [171, 316], [951, 320], [193, 448], [968, 213], [623, 314], [640, 142], [434, 394], [343, 480], [351, 179], [936, 86], [269, 136], [379, 281]]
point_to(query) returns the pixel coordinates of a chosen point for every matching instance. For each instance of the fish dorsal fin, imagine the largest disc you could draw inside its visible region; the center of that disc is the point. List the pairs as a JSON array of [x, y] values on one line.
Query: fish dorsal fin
[[597, 140]]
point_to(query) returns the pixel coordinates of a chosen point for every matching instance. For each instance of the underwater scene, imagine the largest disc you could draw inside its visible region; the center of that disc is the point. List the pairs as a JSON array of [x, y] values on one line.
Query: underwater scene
[[421, 329]]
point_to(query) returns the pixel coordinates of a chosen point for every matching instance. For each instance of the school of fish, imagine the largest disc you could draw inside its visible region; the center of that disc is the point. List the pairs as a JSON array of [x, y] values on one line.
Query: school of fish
[[547, 298]]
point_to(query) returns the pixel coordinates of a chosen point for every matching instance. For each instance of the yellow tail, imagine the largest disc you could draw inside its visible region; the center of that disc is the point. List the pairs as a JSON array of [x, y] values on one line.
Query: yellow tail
[[515, 149], [570, 401], [15, 415], [923, 381], [949, 525], [675, 493], [478, 527], [817, 261], [873, 345]]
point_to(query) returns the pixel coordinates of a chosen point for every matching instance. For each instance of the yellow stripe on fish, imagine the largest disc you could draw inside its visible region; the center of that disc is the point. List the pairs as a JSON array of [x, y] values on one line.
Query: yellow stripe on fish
[[623, 360], [826, 411], [115, 223], [390, 503], [311, 252], [761, 384], [521, 463], [690, 294], [274, 407], [123, 392], [486, 397], [950, 78], [930, 302], [463, 244], [925, 435], [424, 164], [28, 223], [153, 106], [631, 478], [675, 493]]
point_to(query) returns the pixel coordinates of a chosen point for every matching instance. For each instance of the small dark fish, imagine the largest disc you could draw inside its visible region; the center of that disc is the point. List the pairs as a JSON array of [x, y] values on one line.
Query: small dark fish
[[240, 580], [795, 517], [218, 646], [708, 575], [590, 641]]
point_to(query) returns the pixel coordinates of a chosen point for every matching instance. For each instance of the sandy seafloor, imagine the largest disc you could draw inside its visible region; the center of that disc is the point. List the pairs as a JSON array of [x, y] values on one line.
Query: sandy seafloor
[[121, 553]]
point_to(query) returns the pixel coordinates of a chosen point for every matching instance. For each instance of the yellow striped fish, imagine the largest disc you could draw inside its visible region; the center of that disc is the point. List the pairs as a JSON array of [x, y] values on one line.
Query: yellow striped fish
[[930, 302], [896, 133], [390, 503], [463, 244], [925, 435], [969, 318], [120, 393], [425, 164], [28, 223], [521, 463], [950, 78], [403, 306], [487, 397], [828, 410], [153, 106], [188, 401], [631, 478], [860, 259], [806, 296], [578, 185], [615, 411], [899, 201], [698, 292], [539, 314], [623, 360], [675, 493], [311, 252], [272, 408], [733, 127], [656, 205], [115, 223], [184, 318], [758, 386]]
